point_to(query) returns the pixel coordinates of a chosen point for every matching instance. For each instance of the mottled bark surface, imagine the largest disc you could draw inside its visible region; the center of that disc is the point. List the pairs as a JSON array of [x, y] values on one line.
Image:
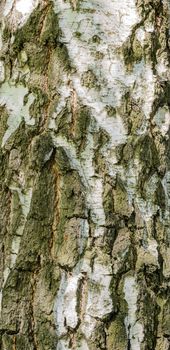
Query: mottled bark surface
[[84, 175]]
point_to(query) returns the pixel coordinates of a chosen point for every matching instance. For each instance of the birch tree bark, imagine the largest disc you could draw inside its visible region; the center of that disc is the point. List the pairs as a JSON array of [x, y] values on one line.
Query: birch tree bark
[[85, 175]]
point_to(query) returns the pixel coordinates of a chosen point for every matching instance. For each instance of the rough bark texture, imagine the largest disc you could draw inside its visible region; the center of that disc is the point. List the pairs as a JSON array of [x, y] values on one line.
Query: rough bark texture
[[85, 175]]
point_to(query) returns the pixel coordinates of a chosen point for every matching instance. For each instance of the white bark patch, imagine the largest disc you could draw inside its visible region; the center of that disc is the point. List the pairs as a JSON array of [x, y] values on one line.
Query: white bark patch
[[15, 249], [87, 156], [99, 302], [163, 69], [59, 308], [134, 329], [19, 10], [8, 7], [153, 248], [12, 97], [26, 7], [166, 262], [111, 24], [88, 325], [2, 72], [162, 120], [96, 204], [63, 344], [166, 184], [141, 35], [98, 101], [109, 20], [82, 345], [65, 308], [149, 27], [48, 156], [145, 86], [70, 301]]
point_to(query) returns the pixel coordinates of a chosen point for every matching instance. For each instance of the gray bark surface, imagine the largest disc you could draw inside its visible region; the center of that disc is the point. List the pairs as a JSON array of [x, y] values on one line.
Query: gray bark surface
[[84, 175]]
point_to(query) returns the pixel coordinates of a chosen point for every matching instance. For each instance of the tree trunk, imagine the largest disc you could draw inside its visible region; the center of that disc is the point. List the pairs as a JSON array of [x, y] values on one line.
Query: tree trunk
[[85, 175]]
